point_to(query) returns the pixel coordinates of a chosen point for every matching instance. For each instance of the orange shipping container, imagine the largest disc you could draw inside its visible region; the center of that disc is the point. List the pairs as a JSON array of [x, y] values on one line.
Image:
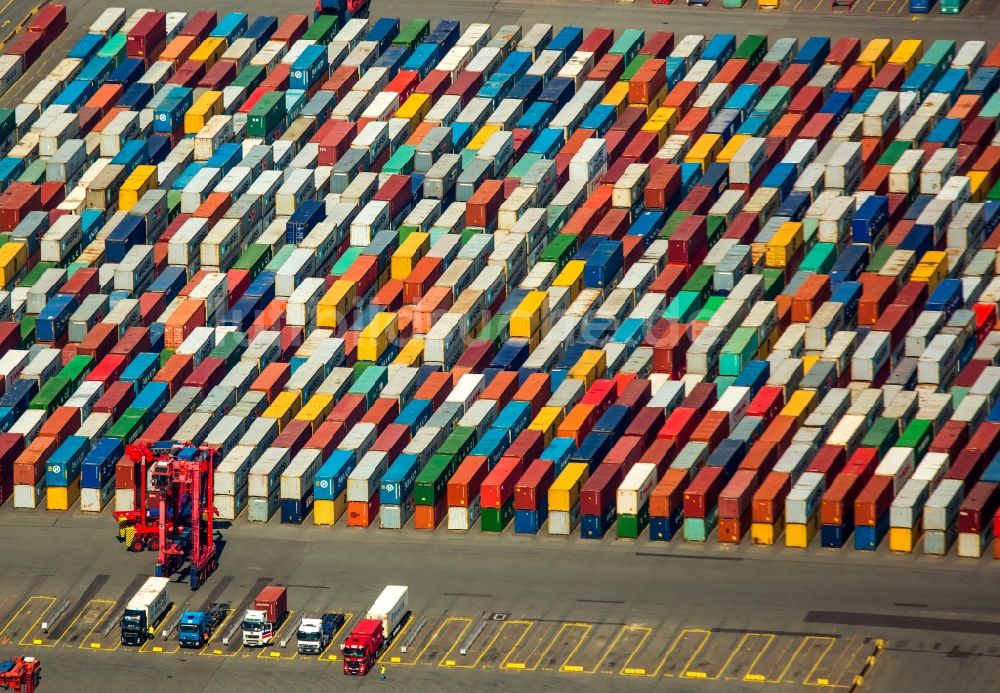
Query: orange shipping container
[[768, 504], [577, 423], [29, 466], [63, 423], [837, 505], [188, 315], [668, 495], [501, 389], [463, 487], [178, 50], [431, 307], [272, 379], [105, 97], [175, 371]]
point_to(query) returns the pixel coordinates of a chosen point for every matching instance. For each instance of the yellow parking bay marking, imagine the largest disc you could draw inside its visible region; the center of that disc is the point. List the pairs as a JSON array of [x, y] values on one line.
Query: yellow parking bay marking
[[690, 640], [36, 607], [336, 640], [273, 651], [809, 644], [522, 661], [452, 623], [387, 656], [95, 610], [630, 640]]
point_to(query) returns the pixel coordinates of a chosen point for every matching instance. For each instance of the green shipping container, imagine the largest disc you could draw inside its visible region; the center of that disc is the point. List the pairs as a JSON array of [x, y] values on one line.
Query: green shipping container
[[230, 349], [820, 259], [708, 310], [774, 282], [701, 282], [633, 66], [7, 123], [697, 529], [523, 164], [432, 481], [53, 393], [722, 383], [250, 77], [35, 173], [917, 435], [939, 54], [27, 325], [738, 351], [673, 221], [630, 526], [114, 48], [497, 519], [497, 330], [77, 368], [459, 443], [128, 427], [892, 153], [560, 249], [557, 216], [370, 383], [879, 258], [345, 261], [412, 33], [752, 49], [32, 277], [401, 161], [267, 115], [716, 227], [684, 306], [254, 259], [629, 44], [994, 193], [882, 435], [992, 107], [322, 30], [165, 356], [734, 4], [279, 258]]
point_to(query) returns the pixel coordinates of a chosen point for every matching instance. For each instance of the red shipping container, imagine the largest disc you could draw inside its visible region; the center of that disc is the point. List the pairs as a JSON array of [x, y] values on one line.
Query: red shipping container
[[625, 453], [599, 491], [873, 501], [679, 426], [327, 437], [668, 495], [135, 340], [293, 436], [735, 71], [435, 388], [536, 389], [482, 208], [392, 440], [381, 413], [465, 86], [694, 122], [115, 400], [978, 507], [702, 493], [661, 452], [435, 84], [682, 96], [688, 243], [291, 30], [147, 37], [271, 380], [277, 78], [701, 398], [659, 45], [29, 46], [17, 201], [29, 467], [531, 490], [795, 77], [607, 70], [837, 505], [829, 462], [162, 427], [735, 498], [396, 191], [498, 485], [342, 79], [49, 22], [527, 445], [207, 374], [712, 428], [647, 82], [765, 74], [465, 484], [202, 22], [670, 342], [844, 52]]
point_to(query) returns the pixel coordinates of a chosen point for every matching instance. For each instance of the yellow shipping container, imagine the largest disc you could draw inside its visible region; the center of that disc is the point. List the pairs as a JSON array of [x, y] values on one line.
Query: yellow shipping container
[[932, 268], [377, 335], [782, 247], [907, 54], [590, 367], [978, 185], [485, 132], [571, 277], [327, 512], [546, 422], [564, 493], [764, 534], [315, 410], [903, 539], [283, 408], [662, 121], [704, 150], [654, 103], [408, 254], [808, 361], [13, 260], [529, 316], [209, 52], [139, 182], [415, 109], [876, 54], [205, 106], [727, 152], [800, 405], [62, 497], [800, 536], [617, 96], [336, 304], [412, 354]]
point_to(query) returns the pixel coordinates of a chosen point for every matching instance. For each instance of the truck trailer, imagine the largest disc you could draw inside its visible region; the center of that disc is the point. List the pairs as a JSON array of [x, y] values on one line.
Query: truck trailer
[[376, 631], [144, 610]]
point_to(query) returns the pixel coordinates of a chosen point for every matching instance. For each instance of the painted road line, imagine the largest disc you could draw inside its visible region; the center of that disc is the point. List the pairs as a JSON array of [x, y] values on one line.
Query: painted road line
[[795, 657], [591, 653], [629, 668], [39, 605], [388, 657], [466, 661], [851, 656], [150, 646], [697, 672], [580, 630], [677, 658]]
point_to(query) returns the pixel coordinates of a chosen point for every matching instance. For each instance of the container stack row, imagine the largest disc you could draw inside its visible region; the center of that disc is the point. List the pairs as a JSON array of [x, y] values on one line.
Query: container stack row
[[537, 280]]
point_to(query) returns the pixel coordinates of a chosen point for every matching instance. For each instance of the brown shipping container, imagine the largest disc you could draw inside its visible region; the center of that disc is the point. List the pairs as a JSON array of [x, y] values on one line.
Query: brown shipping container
[[115, 399], [837, 506], [668, 495], [29, 466], [768, 503], [293, 436], [348, 410], [381, 413], [735, 498], [873, 501]]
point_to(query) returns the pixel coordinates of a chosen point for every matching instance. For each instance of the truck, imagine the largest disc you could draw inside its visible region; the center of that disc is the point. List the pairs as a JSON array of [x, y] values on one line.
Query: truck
[[316, 634], [196, 627], [261, 623], [343, 9], [376, 631], [144, 610]]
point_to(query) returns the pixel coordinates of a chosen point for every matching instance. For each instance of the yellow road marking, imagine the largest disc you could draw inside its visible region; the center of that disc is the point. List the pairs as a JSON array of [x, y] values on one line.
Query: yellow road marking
[[516, 665], [524, 663], [269, 651], [100, 617], [706, 634], [25, 606], [399, 638], [565, 666], [457, 619], [626, 670]]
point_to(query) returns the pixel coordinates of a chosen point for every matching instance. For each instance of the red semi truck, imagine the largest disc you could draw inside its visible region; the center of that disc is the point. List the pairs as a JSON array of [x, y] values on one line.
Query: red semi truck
[[375, 632]]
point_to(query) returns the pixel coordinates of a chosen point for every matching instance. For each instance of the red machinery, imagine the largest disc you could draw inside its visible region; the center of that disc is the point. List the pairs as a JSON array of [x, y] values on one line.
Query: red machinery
[[20, 674], [176, 480]]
